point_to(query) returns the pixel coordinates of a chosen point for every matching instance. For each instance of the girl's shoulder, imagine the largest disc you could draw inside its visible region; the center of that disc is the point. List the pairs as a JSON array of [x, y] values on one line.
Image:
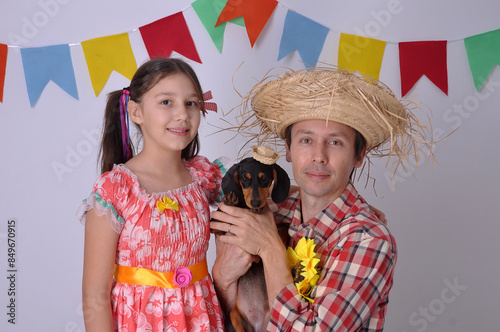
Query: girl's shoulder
[[202, 163], [119, 177], [200, 166], [110, 194], [207, 175]]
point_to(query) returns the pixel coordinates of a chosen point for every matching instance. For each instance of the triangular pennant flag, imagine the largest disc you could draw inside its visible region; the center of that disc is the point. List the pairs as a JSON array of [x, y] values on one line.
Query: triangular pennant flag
[[423, 58], [45, 64], [208, 11], [361, 54], [483, 52], [3, 64], [105, 54], [256, 13], [169, 34], [305, 36]]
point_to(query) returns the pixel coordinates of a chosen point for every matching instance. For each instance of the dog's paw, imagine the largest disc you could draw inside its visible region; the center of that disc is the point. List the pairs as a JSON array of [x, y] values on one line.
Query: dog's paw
[[231, 199]]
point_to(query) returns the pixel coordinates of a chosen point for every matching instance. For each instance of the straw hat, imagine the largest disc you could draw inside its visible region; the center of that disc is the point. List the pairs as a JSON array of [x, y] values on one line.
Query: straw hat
[[264, 154], [327, 93]]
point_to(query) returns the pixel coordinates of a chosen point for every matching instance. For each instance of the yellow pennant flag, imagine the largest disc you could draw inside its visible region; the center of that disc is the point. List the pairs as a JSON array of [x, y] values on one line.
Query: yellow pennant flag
[[361, 54], [105, 54]]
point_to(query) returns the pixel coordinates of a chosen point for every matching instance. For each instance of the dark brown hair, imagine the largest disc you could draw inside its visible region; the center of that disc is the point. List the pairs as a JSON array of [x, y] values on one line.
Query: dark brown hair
[[150, 73]]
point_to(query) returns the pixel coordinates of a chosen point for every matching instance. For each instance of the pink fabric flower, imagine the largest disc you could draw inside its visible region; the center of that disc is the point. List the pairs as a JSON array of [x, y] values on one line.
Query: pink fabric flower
[[182, 277]]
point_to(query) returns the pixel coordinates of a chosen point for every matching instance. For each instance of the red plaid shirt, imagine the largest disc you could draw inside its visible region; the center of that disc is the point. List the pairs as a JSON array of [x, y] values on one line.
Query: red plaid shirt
[[358, 255]]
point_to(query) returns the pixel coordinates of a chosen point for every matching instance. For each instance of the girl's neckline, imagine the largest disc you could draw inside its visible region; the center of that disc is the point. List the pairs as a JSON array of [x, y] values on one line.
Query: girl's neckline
[[156, 195]]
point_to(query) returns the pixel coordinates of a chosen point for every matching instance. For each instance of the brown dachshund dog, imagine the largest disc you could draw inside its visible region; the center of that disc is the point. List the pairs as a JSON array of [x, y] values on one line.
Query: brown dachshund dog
[[247, 185]]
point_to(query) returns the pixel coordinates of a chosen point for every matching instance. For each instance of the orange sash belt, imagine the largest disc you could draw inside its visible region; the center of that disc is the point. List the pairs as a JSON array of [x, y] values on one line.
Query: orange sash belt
[[182, 277]]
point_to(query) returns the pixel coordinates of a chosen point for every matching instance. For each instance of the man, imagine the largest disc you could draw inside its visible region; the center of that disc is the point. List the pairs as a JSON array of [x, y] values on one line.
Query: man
[[330, 120]]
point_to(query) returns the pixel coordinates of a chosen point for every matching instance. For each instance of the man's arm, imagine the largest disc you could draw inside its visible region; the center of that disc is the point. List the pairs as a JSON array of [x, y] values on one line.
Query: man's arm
[[355, 279], [230, 264], [257, 235]]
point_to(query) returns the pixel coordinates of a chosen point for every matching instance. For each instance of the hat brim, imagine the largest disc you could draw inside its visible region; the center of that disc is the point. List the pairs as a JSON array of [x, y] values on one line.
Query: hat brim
[[330, 95]]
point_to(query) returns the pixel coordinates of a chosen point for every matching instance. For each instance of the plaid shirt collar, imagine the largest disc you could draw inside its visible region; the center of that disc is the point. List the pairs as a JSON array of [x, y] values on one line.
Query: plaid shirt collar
[[322, 226]]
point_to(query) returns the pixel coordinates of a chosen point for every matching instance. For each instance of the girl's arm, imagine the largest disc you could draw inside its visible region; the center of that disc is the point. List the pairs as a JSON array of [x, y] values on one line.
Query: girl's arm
[[98, 267]]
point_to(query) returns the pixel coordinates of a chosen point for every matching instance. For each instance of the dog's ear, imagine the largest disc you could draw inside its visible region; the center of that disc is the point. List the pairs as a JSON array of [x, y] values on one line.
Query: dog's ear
[[281, 185], [231, 182]]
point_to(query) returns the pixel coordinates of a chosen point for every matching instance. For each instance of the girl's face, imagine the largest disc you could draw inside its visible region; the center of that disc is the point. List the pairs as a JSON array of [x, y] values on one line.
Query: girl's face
[[169, 113]]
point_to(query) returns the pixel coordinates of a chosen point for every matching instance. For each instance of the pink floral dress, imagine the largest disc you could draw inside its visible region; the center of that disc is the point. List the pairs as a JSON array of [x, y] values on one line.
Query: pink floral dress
[[160, 241]]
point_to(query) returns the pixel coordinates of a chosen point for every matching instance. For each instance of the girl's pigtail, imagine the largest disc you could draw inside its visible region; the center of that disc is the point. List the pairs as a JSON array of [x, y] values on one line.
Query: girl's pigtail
[[116, 147]]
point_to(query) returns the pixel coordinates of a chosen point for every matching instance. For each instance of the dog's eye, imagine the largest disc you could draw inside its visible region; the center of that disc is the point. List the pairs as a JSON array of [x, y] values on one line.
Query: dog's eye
[[245, 181], [264, 180]]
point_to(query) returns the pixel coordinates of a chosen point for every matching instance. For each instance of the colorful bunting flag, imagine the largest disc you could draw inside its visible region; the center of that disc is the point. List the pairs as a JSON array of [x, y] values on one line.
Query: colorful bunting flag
[[304, 35], [423, 58], [169, 34], [45, 64], [256, 13], [3, 64], [361, 54], [162, 37], [105, 54], [208, 11], [483, 52]]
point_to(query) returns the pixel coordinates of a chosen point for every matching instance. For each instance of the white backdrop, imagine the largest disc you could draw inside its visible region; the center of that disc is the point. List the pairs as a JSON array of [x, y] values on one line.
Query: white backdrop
[[444, 222]]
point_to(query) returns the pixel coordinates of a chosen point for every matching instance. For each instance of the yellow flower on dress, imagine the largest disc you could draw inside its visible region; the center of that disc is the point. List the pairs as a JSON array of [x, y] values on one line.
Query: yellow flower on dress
[[167, 203], [303, 263]]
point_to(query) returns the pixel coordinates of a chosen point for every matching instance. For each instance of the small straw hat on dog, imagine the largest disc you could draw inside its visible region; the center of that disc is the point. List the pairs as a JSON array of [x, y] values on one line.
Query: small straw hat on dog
[[264, 154], [327, 93]]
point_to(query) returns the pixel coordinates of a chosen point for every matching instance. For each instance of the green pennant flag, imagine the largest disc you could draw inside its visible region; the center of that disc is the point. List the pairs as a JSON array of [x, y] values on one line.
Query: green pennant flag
[[483, 51], [208, 11]]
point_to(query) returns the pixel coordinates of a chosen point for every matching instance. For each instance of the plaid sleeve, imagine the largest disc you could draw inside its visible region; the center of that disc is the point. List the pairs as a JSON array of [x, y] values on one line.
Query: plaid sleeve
[[351, 294]]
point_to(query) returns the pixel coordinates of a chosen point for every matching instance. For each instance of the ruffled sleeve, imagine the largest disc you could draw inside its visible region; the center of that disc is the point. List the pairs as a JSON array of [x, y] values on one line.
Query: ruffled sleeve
[[209, 175], [106, 199]]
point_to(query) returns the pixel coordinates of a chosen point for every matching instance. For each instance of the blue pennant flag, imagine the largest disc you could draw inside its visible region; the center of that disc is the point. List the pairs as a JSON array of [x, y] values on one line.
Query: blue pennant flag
[[45, 64], [303, 35]]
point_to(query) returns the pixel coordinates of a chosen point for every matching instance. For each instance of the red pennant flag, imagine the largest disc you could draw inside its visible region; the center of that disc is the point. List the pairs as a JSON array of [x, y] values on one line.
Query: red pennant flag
[[169, 34], [3, 64], [256, 13], [423, 58]]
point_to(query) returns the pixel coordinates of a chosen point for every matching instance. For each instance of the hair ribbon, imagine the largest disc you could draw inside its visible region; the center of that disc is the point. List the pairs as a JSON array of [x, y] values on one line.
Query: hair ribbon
[[124, 119], [209, 106]]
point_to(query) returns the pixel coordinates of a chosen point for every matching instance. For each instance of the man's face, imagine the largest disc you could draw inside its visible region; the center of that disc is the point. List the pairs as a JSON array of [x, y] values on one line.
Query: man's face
[[322, 156]]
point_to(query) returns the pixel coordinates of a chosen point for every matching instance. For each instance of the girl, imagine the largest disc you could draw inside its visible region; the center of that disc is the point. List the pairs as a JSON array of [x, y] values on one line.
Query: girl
[[147, 218]]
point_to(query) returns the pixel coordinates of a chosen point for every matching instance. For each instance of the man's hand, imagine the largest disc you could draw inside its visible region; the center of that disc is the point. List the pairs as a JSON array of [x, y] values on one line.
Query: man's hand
[[256, 234], [380, 215], [233, 262], [230, 264]]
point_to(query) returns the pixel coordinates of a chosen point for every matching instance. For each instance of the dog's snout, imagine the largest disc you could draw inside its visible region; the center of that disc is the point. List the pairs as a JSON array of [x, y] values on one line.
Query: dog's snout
[[255, 203]]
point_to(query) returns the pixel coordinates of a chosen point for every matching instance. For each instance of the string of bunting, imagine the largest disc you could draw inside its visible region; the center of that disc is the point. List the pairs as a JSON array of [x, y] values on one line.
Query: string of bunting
[[105, 54]]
